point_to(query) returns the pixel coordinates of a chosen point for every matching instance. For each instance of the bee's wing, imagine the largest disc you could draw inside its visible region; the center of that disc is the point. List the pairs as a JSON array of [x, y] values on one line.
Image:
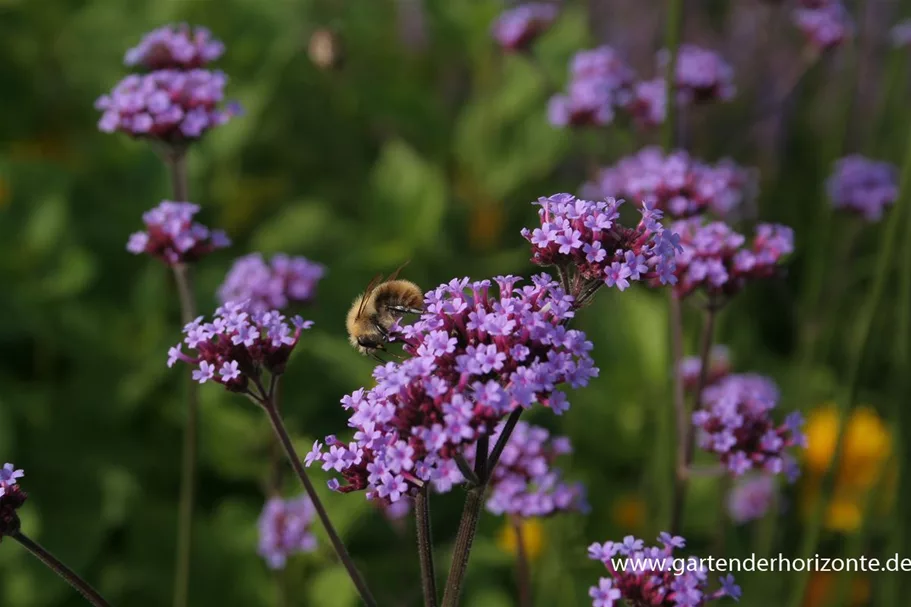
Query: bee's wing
[[395, 274], [374, 282]]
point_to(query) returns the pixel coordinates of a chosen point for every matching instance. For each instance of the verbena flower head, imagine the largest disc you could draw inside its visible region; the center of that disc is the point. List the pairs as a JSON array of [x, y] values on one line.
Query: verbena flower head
[[651, 576], [751, 497], [285, 529], [598, 78], [276, 284], [175, 47], [517, 28], [171, 106], [172, 236], [590, 246], [735, 422], [646, 102], [825, 26], [11, 499], [863, 186], [675, 183], [480, 350], [701, 74], [525, 483], [719, 261], [238, 345], [719, 367], [900, 34]]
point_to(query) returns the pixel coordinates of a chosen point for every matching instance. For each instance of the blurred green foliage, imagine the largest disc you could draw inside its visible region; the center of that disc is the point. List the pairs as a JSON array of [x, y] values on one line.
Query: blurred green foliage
[[424, 144]]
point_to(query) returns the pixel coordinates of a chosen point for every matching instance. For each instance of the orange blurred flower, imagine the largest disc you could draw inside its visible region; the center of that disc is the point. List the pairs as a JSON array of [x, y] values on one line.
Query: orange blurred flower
[[822, 587], [628, 512]]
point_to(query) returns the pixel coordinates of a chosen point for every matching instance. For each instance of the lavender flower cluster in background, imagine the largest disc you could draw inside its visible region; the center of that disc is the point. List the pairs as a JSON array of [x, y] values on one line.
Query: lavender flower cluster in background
[[517, 28], [675, 183], [751, 497], [598, 78], [11, 499], [825, 24], [473, 357], [285, 529], [719, 366], [172, 236], [272, 285], [701, 75], [175, 47], [863, 186], [652, 575]]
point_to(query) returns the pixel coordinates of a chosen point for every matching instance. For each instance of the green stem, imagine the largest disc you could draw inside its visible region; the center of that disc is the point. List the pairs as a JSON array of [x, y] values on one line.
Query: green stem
[[523, 570], [425, 546], [468, 526], [57, 566]]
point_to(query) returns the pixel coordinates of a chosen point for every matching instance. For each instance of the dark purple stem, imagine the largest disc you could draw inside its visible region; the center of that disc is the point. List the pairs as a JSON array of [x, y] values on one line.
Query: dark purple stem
[[425, 546], [523, 570], [71, 578]]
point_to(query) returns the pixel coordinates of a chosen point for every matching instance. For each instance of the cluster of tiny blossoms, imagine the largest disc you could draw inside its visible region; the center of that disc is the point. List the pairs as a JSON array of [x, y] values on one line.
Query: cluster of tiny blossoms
[[175, 46], [525, 483], [271, 285], [701, 75], [650, 576], [238, 345], [172, 236], [825, 25], [715, 258], [719, 367], [480, 350], [735, 422], [285, 529], [598, 82], [173, 106], [587, 239], [863, 186], [751, 497], [517, 28], [675, 183], [11, 499]]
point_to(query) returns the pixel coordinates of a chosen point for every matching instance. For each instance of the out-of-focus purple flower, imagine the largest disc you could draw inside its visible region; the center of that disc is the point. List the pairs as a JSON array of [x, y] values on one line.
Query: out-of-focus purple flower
[[480, 350], [598, 79], [173, 237], [825, 26], [862, 185], [397, 510], [285, 529], [900, 34], [675, 183], [237, 345], [525, 483], [751, 497], [735, 422], [175, 47], [701, 75], [517, 28], [276, 284], [172, 106], [646, 102], [652, 576], [11, 499], [719, 367], [590, 246], [717, 260]]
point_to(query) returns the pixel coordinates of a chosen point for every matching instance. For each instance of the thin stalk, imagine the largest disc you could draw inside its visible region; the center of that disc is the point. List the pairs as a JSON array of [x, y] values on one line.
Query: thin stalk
[[55, 565], [523, 569], [510, 425], [425, 547], [673, 26], [846, 402], [688, 448], [282, 434], [471, 513], [176, 161]]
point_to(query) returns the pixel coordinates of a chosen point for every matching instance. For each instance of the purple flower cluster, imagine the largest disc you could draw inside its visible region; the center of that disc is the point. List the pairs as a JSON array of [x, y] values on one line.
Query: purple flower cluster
[[717, 260], [900, 34], [825, 25], [675, 183], [751, 497], [651, 576], [735, 422], [172, 106], [238, 345], [525, 483], [598, 79], [285, 529], [719, 367], [271, 285], [474, 356], [586, 239], [863, 186], [517, 28], [173, 237], [646, 102], [175, 46], [11, 499], [701, 75]]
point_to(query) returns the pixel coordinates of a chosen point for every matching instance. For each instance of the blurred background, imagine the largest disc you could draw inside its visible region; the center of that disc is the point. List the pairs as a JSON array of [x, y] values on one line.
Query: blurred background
[[419, 139]]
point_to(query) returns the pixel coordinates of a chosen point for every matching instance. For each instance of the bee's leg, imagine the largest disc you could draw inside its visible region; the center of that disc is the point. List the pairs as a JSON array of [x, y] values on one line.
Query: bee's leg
[[405, 310], [377, 358], [382, 330]]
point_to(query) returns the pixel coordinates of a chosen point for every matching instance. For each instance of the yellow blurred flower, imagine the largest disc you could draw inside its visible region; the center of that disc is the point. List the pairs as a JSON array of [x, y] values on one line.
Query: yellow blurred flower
[[532, 538], [822, 586], [628, 512]]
